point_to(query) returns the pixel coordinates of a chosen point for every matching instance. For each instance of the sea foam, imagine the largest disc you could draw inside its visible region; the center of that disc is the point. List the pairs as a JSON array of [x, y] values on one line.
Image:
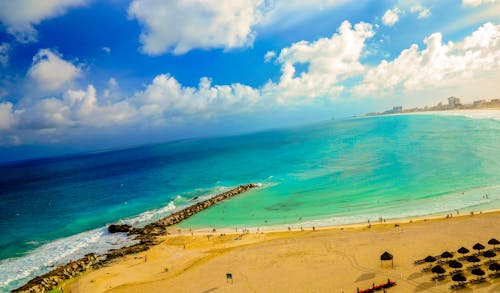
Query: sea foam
[[16, 271]]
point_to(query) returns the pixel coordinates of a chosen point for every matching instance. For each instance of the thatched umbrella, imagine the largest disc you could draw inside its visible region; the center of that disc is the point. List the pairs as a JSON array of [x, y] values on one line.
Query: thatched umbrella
[[386, 256], [494, 267], [446, 254], [478, 247], [438, 270], [430, 259], [459, 278], [473, 258], [455, 264], [493, 242], [463, 250], [489, 254], [478, 272]]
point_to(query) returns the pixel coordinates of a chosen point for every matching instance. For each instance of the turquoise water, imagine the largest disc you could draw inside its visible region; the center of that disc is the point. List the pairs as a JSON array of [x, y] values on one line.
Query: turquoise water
[[335, 172]]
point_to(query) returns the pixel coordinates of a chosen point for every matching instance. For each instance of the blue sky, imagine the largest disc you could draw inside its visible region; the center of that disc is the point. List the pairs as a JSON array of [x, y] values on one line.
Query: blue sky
[[80, 75]]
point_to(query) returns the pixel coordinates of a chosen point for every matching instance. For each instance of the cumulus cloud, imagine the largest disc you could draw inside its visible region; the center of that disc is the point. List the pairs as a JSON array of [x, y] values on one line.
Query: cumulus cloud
[[423, 12], [476, 2], [106, 49], [50, 72], [20, 16], [328, 61], [179, 26], [270, 55], [391, 16], [74, 108], [209, 24], [4, 54], [6, 116], [165, 98], [438, 64]]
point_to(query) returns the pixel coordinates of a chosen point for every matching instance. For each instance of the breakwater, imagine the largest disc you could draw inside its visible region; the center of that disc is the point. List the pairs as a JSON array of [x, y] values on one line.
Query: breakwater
[[145, 236]]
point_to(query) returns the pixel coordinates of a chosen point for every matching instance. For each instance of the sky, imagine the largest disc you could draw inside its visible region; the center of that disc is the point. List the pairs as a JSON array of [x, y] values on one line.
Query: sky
[[85, 75]]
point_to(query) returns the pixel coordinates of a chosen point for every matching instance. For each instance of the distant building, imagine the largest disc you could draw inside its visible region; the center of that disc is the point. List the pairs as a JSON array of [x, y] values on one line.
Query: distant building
[[478, 102], [397, 109], [453, 102]]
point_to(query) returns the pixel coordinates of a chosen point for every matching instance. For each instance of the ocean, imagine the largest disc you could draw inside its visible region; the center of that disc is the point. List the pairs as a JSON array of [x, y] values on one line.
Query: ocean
[[335, 172]]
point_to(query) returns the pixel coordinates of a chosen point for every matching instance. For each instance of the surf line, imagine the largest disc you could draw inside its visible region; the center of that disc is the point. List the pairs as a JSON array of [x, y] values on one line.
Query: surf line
[[146, 237]]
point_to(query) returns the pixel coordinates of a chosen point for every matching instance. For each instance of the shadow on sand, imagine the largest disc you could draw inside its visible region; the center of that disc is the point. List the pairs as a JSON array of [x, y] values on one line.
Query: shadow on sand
[[365, 277]]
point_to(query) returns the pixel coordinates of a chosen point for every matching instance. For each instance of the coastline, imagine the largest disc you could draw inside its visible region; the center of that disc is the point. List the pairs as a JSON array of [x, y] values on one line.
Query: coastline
[[144, 238], [343, 257], [487, 113], [155, 233]]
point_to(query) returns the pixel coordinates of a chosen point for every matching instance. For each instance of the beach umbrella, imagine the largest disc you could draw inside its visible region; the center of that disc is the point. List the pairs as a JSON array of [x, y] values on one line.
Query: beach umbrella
[[473, 258], [489, 254], [478, 246], [463, 250], [478, 272], [430, 259], [494, 267], [386, 256], [459, 278], [438, 270], [493, 242], [446, 254], [455, 264]]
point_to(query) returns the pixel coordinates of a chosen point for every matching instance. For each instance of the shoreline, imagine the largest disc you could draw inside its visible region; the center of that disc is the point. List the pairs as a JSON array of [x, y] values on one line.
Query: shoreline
[[147, 235], [348, 254], [144, 238], [297, 226], [489, 113]]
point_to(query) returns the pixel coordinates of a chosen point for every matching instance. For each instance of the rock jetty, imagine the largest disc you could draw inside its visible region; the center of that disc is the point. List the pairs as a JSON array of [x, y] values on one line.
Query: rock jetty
[[55, 277], [145, 236]]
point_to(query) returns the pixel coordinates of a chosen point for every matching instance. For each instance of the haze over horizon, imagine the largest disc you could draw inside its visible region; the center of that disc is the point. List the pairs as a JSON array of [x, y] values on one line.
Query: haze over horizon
[[83, 75]]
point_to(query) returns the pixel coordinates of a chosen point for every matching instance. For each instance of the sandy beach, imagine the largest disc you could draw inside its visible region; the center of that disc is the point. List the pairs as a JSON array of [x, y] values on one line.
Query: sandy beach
[[334, 259]]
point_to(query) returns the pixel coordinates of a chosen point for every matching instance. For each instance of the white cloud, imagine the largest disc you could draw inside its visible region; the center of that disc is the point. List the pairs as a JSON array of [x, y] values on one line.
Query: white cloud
[[4, 54], [391, 16], [328, 60], [165, 98], [423, 12], [270, 55], [6, 116], [179, 26], [75, 108], [106, 49], [51, 72], [476, 2], [19, 16], [438, 65]]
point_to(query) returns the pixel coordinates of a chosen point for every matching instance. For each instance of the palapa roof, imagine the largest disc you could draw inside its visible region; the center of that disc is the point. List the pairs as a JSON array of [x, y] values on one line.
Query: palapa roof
[[489, 253], [478, 246], [455, 264], [386, 256], [459, 278], [430, 258], [493, 241]]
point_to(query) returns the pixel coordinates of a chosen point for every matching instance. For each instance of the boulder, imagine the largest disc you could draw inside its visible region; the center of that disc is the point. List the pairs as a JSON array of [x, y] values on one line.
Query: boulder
[[114, 228]]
